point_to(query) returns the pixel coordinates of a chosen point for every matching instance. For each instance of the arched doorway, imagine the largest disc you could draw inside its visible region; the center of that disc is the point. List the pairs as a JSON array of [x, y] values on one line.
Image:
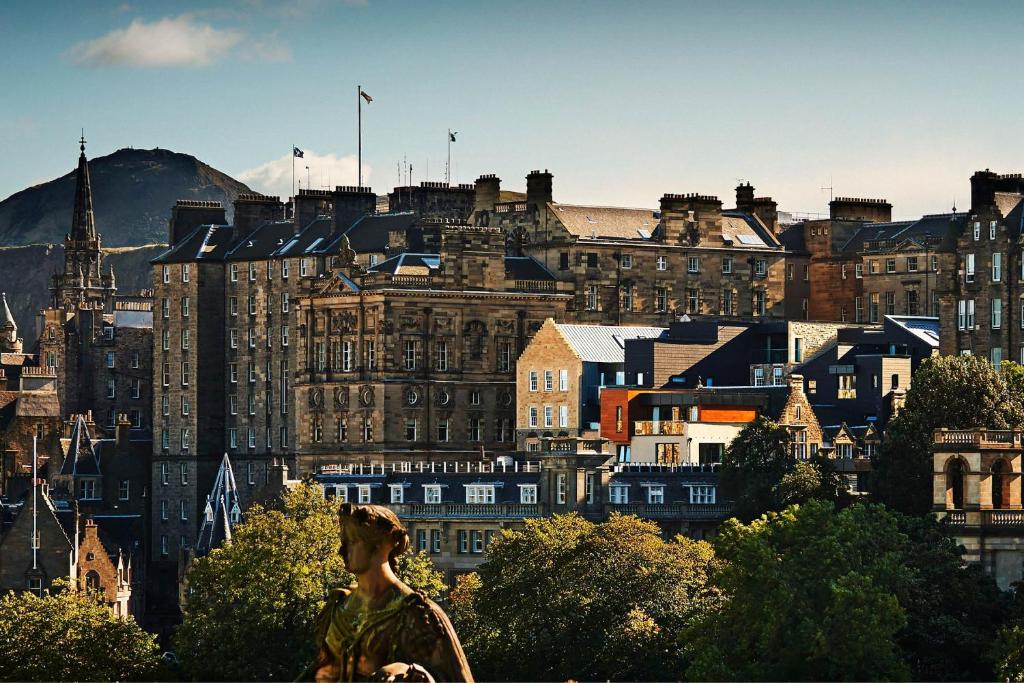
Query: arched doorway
[[955, 484], [1000, 485]]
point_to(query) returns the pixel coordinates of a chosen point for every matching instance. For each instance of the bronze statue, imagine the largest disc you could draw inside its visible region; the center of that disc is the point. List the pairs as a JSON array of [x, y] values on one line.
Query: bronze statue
[[379, 629]]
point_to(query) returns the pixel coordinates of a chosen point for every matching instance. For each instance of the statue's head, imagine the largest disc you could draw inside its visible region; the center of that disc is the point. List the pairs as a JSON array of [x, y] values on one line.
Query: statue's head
[[367, 530]]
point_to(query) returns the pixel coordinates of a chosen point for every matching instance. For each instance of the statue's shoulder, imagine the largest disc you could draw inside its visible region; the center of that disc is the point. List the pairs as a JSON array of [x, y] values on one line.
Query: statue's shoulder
[[427, 612]]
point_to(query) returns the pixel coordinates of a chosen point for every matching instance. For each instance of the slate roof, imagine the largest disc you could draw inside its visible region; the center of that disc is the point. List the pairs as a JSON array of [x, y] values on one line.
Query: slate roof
[[409, 264], [606, 221], [526, 268], [263, 242], [205, 243], [506, 484], [604, 343], [369, 234], [79, 457], [742, 230], [37, 404], [929, 228], [924, 328], [309, 240]]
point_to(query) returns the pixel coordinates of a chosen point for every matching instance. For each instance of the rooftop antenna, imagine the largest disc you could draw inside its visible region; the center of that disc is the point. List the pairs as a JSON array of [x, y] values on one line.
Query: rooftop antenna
[[829, 188]]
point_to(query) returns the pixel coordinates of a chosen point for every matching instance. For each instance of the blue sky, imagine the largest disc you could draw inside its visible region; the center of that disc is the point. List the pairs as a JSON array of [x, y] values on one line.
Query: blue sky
[[622, 101]]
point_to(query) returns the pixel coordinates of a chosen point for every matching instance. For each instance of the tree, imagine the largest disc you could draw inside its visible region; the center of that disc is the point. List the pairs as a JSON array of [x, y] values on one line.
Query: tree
[[564, 598], [760, 474], [859, 594], [252, 603], [71, 635], [958, 392]]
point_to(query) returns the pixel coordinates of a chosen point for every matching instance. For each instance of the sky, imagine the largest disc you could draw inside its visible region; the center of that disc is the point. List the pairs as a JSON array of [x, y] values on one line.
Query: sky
[[621, 101]]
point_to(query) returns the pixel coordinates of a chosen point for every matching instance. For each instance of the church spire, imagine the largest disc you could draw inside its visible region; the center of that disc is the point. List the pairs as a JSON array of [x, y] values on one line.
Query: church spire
[[83, 224]]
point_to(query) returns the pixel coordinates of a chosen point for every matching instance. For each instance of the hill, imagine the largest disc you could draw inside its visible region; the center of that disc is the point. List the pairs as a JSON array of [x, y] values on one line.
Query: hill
[[133, 191]]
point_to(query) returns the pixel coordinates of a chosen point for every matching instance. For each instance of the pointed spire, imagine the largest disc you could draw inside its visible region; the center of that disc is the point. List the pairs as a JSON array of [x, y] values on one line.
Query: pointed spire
[[83, 224], [6, 319]]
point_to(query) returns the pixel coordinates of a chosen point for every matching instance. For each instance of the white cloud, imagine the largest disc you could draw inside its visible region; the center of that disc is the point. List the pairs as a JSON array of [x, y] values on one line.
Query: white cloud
[[275, 177], [179, 41], [267, 48]]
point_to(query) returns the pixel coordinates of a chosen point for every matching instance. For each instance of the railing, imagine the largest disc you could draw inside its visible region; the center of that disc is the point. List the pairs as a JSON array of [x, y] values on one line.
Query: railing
[[659, 468], [673, 510], [1005, 438], [421, 467], [659, 428], [534, 285], [1003, 518], [467, 510], [411, 280], [956, 517]]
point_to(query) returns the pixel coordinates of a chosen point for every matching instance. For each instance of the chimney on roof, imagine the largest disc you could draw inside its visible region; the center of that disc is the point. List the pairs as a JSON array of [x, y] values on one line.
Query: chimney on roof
[[857, 209], [350, 203], [310, 205], [253, 210], [189, 214], [745, 197], [121, 430], [488, 191], [538, 190]]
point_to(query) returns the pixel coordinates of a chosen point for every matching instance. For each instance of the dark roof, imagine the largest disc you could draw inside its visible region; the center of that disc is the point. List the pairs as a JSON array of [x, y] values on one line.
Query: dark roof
[[929, 229], [310, 240], [526, 268], [418, 262], [205, 243], [263, 242], [369, 234], [792, 238], [506, 484], [79, 458], [764, 233]]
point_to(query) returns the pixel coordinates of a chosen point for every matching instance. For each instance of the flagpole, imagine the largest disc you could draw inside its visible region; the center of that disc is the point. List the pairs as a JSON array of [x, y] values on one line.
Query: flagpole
[[35, 549], [359, 105], [293, 177]]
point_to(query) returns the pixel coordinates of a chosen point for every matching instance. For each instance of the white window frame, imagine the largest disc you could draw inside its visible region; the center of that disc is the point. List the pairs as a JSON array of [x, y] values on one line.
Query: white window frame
[[432, 494], [480, 494], [528, 494], [618, 494]]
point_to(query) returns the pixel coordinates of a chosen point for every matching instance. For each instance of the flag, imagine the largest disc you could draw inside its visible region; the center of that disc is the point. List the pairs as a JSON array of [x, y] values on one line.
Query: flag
[[366, 97], [297, 152], [451, 136]]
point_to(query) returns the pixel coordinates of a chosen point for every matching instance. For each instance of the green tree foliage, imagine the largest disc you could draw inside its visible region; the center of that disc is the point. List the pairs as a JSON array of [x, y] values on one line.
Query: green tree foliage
[[564, 598], [760, 474], [859, 594], [71, 636], [252, 603], [958, 392], [1008, 653]]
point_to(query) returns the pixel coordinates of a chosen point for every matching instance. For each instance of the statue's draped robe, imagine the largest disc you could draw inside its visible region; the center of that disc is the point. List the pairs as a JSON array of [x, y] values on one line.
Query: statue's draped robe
[[410, 629]]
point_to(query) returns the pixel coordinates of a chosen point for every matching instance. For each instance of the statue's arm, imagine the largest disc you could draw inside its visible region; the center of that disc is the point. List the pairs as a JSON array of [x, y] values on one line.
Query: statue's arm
[[442, 653]]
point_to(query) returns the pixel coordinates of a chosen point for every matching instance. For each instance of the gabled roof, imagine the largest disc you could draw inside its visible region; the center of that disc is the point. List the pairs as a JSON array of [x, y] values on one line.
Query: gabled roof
[[205, 243], [924, 328], [604, 343], [526, 268], [79, 457], [1007, 202], [606, 221], [222, 508], [409, 264], [262, 242], [369, 234], [743, 230]]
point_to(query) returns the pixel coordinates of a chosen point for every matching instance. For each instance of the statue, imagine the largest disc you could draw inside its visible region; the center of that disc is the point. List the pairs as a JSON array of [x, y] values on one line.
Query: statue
[[379, 629]]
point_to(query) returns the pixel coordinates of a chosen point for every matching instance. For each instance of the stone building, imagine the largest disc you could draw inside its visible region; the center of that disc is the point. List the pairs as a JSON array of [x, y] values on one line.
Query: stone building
[[976, 477], [647, 266]]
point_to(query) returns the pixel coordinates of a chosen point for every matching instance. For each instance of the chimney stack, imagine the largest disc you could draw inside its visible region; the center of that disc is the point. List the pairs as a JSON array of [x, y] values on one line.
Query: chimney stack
[[253, 210], [538, 190], [189, 214]]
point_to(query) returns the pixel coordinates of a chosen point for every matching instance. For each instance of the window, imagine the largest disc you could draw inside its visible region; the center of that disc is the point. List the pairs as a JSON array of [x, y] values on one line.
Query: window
[[184, 307], [858, 270], [842, 271], [997, 267], [432, 493], [123, 489], [969, 267], [997, 313], [476, 429], [185, 272], [435, 541], [759, 307], [252, 271], [873, 267], [618, 494], [844, 450], [303, 267], [992, 230], [165, 308], [912, 305], [847, 386], [758, 377], [185, 406], [890, 303], [367, 428], [233, 338], [997, 355], [761, 267], [660, 299], [563, 380], [777, 377], [463, 541], [165, 440], [364, 494], [397, 493], [977, 230], [346, 356], [662, 263], [442, 430], [726, 265], [185, 340], [111, 388], [591, 297], [284, 335], [807, 273], [693, 264], [371, 354], [285, 302], [186, 439], [504, 356], [655, 495], [110, 359], [549, 416], [873, 308], [533, 380], [533, 416], [528, 494], [411, 428], [234, 272], [702, 495], [183, 510], [563, 260], [549, 380], [164, 510], [183, 474], [693, 300], [284, 269], [627, 296], [441, 356], [166, 274], [563, 416], [233, 305], [252, 304], [970, 314], [560, 486], [890, 265], [911, 264], [790, 270], [480, 493], [627, 261], [409, 356], [233, 372]]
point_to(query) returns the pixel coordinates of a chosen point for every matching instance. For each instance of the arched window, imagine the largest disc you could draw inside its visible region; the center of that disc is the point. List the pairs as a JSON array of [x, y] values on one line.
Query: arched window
[[92, 581], [1000, 485], [955, 484]]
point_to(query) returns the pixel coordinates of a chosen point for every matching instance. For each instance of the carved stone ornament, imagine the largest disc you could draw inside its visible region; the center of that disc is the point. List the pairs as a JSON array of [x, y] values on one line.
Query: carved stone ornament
[[409, 322], [504, 326], [443, 397], [366, 395], [387, 327], [506, 398], [316, 398], [412, 396], [442, 324], [341, 396]]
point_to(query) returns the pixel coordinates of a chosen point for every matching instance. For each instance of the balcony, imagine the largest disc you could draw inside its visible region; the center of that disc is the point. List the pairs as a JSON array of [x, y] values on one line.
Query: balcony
[[981, 438], [659, 428], [680, 511], [467, 510], [534, 285]]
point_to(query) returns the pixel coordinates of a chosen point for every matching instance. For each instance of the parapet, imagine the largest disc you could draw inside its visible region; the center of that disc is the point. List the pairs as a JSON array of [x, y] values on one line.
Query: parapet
[[693, 196], [198, 204], [352, 189], [858, 200], [253, 197], [326, 194]]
